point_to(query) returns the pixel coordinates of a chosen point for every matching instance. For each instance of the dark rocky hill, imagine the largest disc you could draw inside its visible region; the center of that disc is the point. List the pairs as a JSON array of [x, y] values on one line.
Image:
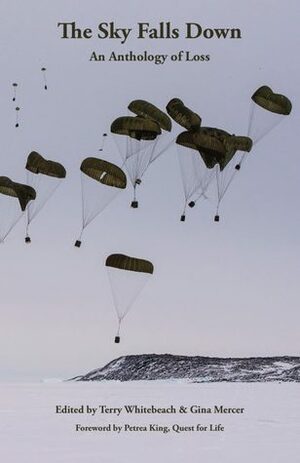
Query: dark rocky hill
[[197, 369]]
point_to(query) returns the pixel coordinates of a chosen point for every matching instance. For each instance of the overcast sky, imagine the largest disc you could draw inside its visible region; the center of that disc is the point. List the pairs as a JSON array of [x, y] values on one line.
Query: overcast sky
[[227, 289]]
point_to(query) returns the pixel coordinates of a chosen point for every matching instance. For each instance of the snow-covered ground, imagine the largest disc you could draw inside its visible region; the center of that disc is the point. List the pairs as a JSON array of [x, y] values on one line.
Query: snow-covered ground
[[267, 431]]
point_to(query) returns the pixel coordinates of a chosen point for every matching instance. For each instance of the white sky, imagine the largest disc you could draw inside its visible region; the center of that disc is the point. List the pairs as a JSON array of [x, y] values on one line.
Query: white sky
[[227, 289]]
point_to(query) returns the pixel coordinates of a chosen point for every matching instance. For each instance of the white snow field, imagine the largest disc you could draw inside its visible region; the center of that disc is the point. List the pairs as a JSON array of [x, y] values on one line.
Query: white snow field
[[32, 431]]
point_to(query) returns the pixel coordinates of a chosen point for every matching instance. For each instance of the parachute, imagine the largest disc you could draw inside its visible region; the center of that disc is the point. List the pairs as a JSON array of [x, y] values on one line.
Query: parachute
[[147, 110], [101, 181], [44, 176], [44, 70], [273, 102], [17, 109], [104, 135], [15, 86], [14, 198], [216, 148], [196, 168], [127, 276], [142, 141], [183, 115], [268, 109]]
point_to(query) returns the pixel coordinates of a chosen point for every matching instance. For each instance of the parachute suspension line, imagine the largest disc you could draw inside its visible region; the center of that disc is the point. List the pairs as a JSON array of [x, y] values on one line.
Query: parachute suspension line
[[31, 180], [220, 192], [14, 223], [38, 208], [78, 241], [138, 157], [15, 85], [135, 203], [261, 123], [217, 217], [27, 237], [182, 217], [17, 116], [36, 181], [251, 117], [227, 184], [250, 126], [152, 157], [166, 147], [203, 187], [44, 78], [200, 195], [267, 132], [224, 180], [104, 135], [196, 178]]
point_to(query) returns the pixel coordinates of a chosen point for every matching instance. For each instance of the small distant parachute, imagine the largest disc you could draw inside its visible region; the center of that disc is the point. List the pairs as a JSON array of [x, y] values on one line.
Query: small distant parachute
[[15, 86], [127, 275], [14, 198], [104, 136], [44, 72], [184, 116], [101, 181], [143, 140], [44, 176], [17, 116]]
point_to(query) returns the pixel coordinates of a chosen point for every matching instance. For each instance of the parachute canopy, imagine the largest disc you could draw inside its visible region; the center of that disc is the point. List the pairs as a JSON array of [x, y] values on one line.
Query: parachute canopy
[[210, 147], [132, 264], [136, 127], [273, 102], [214, 145], [183, 115], [38, 165], [147, 110], [104, 172], [24, 193], [127, 276]]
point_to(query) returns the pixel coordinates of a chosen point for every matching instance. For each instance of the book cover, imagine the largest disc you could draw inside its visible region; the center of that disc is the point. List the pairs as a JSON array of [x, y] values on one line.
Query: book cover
[[149, 228]]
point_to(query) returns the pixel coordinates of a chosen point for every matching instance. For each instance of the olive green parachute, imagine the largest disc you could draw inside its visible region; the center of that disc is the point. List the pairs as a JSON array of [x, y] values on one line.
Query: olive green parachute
[[137, 127], [44, 176], [210, 149], [142, 141], [38, 165], [127, 276], [214, 145], [132, 264], [147, 110], [233, 144], [242, 143], [183, 115], [216, 148], [104, 172], [24, 193], [101, 182], [274, 102]]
